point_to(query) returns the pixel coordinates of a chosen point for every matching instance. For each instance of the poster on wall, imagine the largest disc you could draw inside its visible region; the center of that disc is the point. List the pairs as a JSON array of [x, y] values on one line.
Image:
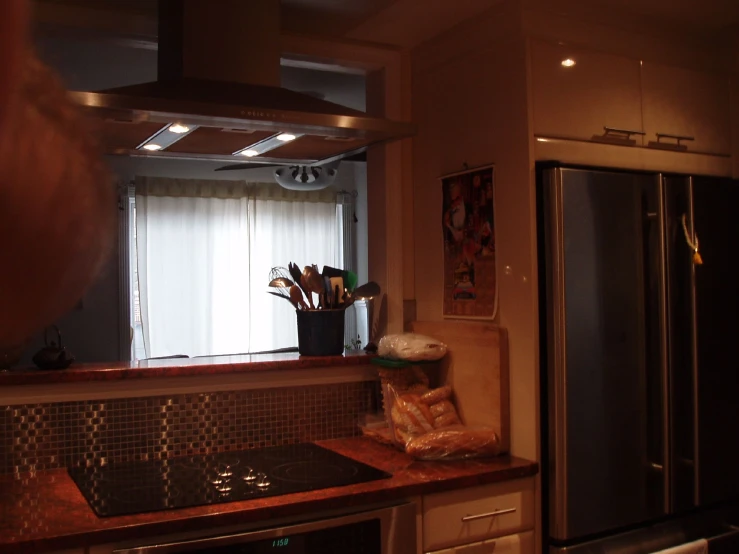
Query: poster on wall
[[468, 221]]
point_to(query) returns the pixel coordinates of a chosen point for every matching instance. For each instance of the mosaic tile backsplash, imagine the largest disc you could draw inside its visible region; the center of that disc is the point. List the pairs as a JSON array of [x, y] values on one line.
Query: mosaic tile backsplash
[[45, 436]]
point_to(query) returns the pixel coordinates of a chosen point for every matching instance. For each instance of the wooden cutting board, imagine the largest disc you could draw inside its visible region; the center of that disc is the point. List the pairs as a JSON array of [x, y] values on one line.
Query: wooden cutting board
[[476, 366]]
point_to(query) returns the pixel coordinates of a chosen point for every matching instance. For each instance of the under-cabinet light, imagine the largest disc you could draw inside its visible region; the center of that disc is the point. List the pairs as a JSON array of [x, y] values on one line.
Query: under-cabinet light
[[152, 146], [569, 62]]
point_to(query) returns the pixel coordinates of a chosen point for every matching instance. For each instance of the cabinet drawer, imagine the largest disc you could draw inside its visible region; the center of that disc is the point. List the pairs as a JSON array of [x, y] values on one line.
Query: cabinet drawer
[[522, 543], [478, 513]]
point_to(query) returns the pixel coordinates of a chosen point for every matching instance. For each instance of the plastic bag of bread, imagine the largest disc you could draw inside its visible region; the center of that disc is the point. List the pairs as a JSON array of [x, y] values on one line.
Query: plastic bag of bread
[[453, 443], [411, 347], [418, 410]]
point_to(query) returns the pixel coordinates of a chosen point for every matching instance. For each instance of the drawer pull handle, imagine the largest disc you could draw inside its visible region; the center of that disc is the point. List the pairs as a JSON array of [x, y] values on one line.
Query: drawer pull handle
[[465, 519]]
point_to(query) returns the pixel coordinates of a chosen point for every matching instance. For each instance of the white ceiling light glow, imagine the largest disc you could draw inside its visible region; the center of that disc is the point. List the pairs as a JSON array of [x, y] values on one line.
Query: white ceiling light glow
[[569, 62], [286, 137], [249, 153], [151, 146]]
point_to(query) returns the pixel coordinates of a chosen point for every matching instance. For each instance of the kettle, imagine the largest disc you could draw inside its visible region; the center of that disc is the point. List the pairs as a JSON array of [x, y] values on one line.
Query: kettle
[[53, 355]]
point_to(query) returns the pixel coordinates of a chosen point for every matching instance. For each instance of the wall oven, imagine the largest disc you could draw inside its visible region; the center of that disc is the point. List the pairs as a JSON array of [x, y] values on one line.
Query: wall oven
[[386, 530]]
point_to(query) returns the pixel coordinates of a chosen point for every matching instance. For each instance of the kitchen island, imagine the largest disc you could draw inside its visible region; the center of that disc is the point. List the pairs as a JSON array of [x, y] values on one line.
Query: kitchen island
[[45, 512]]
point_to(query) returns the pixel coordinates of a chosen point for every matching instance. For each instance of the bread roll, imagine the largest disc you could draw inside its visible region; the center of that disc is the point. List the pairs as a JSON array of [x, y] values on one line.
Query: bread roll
[[441, 408], [447, 419], [411, 415], [437, 395], [453, 443]]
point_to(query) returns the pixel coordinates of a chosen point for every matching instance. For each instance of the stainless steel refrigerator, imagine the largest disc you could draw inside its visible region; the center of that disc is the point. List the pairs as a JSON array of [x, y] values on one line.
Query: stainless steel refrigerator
[[640, 370]]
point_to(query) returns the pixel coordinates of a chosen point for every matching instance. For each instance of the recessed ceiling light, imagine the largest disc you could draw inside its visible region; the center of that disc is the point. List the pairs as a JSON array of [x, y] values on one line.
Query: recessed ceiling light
[[286, 137], [179, 129], [249, 153], [569, 62], [152, 146]]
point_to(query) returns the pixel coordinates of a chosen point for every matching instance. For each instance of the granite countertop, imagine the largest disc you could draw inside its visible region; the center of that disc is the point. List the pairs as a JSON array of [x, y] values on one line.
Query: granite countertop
[[46, 511], [178, 367]]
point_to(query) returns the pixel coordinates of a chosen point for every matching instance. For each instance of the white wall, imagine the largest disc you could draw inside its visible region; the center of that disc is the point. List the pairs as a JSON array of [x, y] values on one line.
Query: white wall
[[470, 105]]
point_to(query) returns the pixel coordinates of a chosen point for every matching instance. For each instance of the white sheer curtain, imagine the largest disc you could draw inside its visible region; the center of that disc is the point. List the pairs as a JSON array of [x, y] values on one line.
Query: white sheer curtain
[[205, 250]]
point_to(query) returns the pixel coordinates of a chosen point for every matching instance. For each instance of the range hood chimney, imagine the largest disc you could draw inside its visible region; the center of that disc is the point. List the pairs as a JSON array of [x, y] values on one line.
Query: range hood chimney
[[232, 41], [217, 96]]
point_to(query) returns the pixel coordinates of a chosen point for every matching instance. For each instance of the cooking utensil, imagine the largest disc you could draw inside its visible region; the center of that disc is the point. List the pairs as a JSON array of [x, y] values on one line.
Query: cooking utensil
[[281, 283], [306, 289], [296, 296], [350, 280], [278, 295], [329, 271], [298, 278], [368, 290], [336, 282], [313, 282]]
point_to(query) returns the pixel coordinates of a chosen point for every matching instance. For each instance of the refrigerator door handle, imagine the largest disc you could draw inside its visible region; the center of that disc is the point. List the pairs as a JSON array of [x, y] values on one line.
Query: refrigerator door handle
[[664, 353]]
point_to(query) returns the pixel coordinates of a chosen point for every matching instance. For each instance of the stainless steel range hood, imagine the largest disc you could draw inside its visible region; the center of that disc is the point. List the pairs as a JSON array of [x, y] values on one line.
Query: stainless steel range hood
[[218, 81]]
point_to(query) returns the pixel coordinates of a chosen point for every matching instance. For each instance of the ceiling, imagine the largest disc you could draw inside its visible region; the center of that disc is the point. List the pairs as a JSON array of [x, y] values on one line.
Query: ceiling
[[407, 23]]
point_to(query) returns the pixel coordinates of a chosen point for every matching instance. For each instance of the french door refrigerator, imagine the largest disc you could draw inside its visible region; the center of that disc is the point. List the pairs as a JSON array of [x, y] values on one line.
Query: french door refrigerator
[[639, 359]]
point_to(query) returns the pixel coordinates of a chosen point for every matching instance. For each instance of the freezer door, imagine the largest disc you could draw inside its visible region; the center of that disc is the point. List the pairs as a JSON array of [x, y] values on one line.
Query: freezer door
[[716, 224], [606, 355]]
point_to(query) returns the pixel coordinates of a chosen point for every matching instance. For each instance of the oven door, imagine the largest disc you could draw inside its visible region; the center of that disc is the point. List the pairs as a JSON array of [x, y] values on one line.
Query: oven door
[[384, 531]]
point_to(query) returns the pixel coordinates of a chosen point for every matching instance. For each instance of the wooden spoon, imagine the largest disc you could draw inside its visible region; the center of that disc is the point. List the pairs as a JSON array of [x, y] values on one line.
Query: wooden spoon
[[296, 295], [313, 282]]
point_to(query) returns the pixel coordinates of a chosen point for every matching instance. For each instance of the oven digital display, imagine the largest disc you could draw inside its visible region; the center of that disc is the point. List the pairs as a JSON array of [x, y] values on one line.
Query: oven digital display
[[286, 545]]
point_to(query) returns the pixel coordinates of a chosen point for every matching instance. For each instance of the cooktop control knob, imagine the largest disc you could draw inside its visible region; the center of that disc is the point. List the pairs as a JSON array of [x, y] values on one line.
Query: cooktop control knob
[[263, 481], [250, 476]]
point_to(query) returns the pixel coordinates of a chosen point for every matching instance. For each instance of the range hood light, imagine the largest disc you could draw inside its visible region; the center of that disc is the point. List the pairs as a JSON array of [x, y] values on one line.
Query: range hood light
[[161, 140], [177, 128], [264, 146]]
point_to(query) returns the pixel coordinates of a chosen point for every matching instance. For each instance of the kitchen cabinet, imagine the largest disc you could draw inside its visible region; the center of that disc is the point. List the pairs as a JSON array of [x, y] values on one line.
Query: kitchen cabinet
[[686, 102], [578, 101], [510, 544], [471, 517]]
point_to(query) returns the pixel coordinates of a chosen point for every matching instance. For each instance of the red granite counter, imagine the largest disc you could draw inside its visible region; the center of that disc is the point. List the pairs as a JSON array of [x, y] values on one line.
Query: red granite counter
[[46, 511], [178, 367]]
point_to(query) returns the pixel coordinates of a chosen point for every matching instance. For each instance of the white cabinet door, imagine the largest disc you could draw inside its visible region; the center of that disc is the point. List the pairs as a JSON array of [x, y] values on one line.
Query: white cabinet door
[[522, 543], [577, 101], [686, 102]]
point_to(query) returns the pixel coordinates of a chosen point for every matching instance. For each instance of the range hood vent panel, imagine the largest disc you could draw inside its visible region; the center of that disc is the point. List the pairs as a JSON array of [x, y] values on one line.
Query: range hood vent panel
[[203, 82]]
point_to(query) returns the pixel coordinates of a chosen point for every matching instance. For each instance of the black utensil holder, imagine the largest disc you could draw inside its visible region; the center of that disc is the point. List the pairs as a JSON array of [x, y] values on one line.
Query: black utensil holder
[[320, 332]]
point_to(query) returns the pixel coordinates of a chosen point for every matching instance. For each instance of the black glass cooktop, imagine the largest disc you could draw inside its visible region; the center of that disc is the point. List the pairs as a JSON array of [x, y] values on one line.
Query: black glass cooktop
[[135, 487]]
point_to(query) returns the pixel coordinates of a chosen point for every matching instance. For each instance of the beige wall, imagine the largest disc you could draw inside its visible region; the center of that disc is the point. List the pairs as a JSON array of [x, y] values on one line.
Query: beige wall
[[470, 105]]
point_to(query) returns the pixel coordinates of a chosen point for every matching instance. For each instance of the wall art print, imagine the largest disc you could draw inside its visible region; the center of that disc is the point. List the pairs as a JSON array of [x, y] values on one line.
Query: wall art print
[[468, 221]]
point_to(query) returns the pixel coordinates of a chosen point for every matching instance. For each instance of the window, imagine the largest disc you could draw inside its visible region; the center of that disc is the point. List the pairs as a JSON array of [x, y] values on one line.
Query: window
[[200, 257]]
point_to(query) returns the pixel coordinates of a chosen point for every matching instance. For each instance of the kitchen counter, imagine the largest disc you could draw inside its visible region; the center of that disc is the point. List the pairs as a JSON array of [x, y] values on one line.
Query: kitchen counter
[[46, 511], [178, 367]]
